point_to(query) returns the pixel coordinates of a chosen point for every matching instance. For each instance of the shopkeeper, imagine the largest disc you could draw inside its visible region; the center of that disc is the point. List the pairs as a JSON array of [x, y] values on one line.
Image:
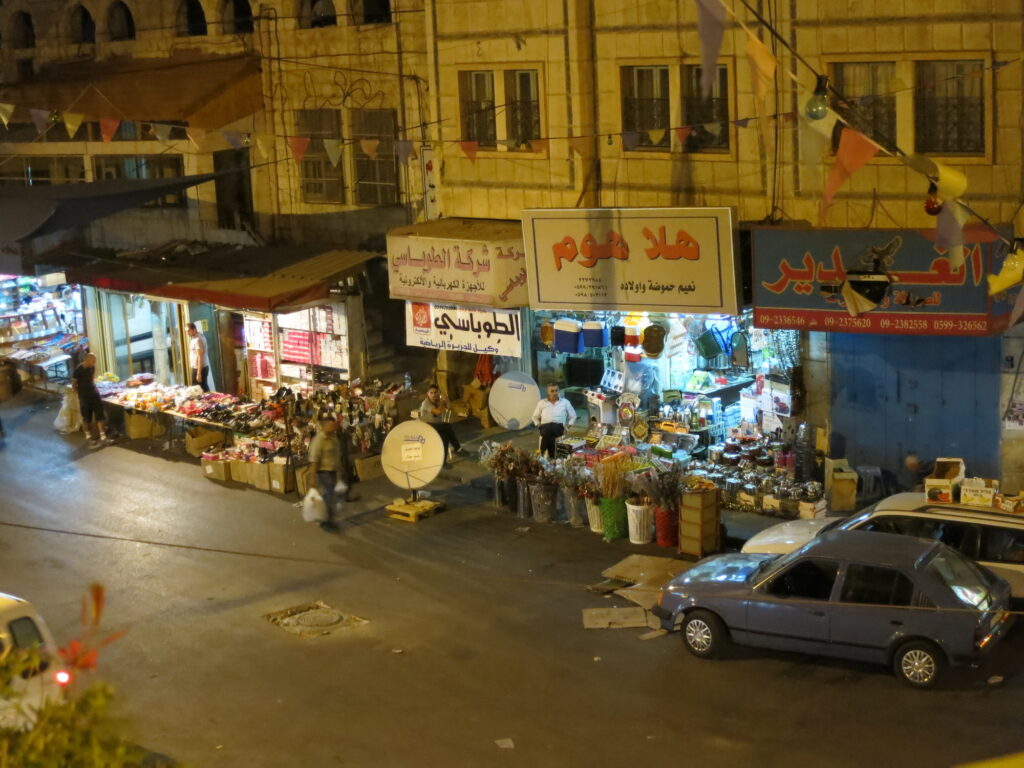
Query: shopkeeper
[[197, 356], [552, 415], [433, 410]]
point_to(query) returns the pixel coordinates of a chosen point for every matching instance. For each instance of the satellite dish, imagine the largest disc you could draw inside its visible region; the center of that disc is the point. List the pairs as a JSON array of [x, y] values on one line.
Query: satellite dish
[[513, 398], [413, 454]]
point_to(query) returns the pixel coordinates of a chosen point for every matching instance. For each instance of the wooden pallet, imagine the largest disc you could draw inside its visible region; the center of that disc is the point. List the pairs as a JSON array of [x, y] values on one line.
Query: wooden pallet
[[413, 511]]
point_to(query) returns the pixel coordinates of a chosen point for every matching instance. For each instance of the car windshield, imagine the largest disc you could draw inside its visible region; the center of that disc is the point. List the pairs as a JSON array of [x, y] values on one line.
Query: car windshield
[[963, 577], [769, 567]]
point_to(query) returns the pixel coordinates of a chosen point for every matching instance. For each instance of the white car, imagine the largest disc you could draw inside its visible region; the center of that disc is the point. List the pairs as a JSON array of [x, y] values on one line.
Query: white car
[[22, 628], [994, 539]]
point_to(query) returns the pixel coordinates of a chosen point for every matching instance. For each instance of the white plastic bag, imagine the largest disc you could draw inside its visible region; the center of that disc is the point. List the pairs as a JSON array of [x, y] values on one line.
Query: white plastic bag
[[69, 418], [341, 488], [313, 508]]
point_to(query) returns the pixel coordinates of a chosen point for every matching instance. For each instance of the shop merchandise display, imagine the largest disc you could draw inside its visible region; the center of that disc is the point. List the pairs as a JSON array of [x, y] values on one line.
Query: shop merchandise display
[[40, 327]]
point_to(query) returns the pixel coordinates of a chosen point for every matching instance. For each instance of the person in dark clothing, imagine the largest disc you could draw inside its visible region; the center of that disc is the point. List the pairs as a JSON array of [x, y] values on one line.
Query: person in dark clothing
[[83, 382], [325, 456], [918, 469]]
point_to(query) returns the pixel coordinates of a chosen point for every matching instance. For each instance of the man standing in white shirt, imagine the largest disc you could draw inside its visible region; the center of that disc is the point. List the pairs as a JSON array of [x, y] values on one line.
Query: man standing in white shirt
[[197, 357], [552, 415]]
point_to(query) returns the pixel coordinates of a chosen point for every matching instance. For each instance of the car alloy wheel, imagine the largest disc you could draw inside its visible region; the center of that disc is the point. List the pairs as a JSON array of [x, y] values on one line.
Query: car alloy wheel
[[704, 634], [698, 635], [919, 664]]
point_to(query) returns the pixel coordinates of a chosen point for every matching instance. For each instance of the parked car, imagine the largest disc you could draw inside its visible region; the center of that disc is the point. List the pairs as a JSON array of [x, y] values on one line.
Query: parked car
[[22, 628], [914, 604], [994, 539]]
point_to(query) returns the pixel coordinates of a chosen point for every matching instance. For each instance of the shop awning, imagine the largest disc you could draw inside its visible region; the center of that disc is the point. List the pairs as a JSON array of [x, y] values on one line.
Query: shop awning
[[205, 91], [27, 212]]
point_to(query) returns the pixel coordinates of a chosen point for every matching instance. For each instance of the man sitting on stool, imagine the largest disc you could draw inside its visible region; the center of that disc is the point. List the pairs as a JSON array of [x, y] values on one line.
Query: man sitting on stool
[[553, 414], [432, 411]]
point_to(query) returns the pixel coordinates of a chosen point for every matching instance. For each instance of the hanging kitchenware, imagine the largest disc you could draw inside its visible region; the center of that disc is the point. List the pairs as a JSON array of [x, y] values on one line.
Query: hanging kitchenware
[[654, 340], [711, 344], [740, 344]]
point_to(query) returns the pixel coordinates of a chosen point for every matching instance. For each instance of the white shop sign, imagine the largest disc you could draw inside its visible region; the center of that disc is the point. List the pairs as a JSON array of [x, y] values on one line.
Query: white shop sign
[[462, 329]]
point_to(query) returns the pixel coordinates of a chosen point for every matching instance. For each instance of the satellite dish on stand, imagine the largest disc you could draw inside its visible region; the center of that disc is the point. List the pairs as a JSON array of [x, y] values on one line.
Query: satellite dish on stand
[[513, 398], [412, 457]]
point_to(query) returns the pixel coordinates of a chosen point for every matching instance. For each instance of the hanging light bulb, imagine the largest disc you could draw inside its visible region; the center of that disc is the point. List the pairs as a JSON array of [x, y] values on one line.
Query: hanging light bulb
[[817, 106], [610, 142], [932, 204]]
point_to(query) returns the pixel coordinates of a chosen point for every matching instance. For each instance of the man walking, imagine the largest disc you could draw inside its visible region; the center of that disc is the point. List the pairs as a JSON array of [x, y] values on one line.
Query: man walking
[[325, 456], [432, 411], [83, 383], [552, 415], [197, 356]]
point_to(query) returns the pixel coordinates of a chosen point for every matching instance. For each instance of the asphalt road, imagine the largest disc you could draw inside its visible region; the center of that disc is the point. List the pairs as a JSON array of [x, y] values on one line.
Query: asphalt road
[[474, 635]]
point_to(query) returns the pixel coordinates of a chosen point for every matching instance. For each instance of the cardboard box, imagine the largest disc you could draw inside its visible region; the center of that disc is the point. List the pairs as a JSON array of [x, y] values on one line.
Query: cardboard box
[[1012, 504], [369, 467], [979, 496], [771, 504], [216, 470], [943, 484], [259, 476], [282, 478], [138, 426], [198, 439], [239, 471], [811, 509], [304, 479], [844, 490]]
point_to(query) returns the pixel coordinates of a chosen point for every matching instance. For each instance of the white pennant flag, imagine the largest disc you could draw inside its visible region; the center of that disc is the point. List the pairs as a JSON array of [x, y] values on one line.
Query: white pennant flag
[[333, 151]]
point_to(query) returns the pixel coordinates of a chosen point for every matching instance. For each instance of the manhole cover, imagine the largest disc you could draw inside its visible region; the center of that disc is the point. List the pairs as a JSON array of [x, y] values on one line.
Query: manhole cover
[[313, 619]]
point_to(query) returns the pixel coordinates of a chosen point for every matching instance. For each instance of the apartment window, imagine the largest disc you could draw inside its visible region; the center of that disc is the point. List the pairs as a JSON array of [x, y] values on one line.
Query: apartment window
[[191, 19], [321, 180], [20, 170], [645, 104], [476, 94], [522, 106], [238, 17], [317, 13], [699, 111], [143, 167], [23, 34], [120, 23], [376, 180], [949, 107], [876, 116], [371, 11], [83, 28]]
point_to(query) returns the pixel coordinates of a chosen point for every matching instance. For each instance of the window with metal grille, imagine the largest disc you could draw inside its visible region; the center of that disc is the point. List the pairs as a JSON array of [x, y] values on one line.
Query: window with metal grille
[[376, 177], [949, 107], [143, 167], [476, 97], [191, 19], [21, 170], [707, 116], [522, 106], [83, 28], [120, 24], [371, 11], [23, 34], [238, 17], [870, 104], [645, 105], [317, 13], [322, 178]]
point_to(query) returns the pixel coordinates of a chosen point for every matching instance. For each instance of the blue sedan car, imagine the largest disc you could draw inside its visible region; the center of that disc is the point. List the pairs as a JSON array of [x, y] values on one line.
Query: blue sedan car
[[914, 604]]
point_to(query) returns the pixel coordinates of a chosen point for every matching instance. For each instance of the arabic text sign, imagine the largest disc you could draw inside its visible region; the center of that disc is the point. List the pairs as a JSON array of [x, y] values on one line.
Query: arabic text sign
[[654, 259], [461, 329], [797, 274], [491, 274]]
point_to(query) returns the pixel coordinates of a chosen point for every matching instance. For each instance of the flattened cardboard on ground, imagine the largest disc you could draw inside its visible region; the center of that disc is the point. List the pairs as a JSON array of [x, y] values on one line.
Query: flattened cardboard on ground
[[607, 586], [614, 618], [643, 568]]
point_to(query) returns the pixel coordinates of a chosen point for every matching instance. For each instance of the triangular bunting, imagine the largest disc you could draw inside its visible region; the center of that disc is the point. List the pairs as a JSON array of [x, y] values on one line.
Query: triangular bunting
[[539, 145], [629, 140], [233, 138], [41, 118], [403, 150], [333, 149], [762, 66], [855, 149], [196, 136], [108, 128], [684, 133], [743, 122], [656, 135], [263, 145], [469, 148], [299, 145], [6, 110], [73, 121], [949, 232], [369, 147], [162, 131], [578, 144], [815, 136], [510, 143], [715, 129], [710, 27]]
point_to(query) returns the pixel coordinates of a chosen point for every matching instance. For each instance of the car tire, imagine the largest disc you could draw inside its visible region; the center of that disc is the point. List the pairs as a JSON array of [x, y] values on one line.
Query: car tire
[[704, 634], [919, 663]]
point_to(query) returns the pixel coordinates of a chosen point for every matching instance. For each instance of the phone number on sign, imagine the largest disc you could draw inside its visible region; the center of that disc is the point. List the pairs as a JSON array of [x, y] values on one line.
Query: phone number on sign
[[960, 325]]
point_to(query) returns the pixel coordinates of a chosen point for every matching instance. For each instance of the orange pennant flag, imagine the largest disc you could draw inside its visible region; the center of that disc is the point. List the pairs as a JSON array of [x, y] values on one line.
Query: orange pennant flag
[[578, 144], [470, 148], [108, 127], [299, 145], [762, 66], [855, 149], [539, 145], [369, 147], [684, 133]]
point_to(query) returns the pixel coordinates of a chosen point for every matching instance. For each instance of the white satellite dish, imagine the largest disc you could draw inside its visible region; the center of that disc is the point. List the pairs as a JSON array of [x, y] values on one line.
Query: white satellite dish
[[513, 398], [413, 454]]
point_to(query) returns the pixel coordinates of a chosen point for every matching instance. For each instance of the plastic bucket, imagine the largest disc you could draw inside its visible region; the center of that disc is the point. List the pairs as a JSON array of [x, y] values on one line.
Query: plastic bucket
[[543, 497], [666, 527], [640, 518], [523, 506], [509, 493], [574, 511], [499, 493], [594, 516], [613, 519]]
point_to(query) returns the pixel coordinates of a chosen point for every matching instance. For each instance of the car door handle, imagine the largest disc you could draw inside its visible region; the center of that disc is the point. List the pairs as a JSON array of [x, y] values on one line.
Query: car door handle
[[817, 613]]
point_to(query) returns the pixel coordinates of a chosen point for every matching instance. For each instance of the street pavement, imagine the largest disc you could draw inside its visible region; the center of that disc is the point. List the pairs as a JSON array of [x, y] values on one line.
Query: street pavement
[[474, 638]]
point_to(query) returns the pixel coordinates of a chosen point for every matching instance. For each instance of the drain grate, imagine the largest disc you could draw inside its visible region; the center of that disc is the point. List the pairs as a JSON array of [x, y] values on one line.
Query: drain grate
[[313, 619]]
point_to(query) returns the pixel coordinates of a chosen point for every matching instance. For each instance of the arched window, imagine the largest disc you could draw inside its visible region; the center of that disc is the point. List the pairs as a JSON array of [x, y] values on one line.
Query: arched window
[[191, 19], [83, 28], [317, 13], [120, 24], [238, 17], [23, 35]]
